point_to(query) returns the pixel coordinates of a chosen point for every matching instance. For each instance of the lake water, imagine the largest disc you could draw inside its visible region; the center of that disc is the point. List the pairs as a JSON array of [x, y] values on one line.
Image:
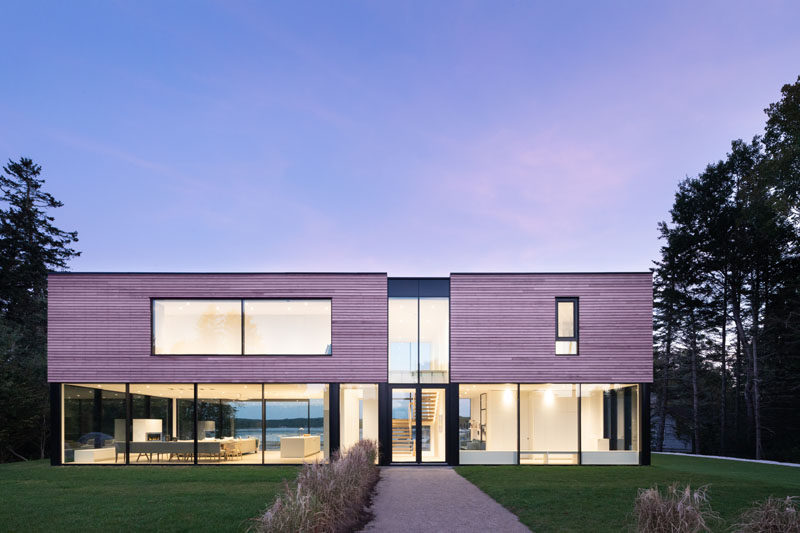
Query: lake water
[[273, 437]]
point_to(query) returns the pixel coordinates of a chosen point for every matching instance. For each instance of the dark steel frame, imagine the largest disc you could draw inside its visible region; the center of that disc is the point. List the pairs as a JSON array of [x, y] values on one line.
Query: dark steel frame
[[575, 317]]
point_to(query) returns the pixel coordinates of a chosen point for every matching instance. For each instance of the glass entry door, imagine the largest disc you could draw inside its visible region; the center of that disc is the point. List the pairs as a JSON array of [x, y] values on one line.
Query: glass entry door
[[418, 425]]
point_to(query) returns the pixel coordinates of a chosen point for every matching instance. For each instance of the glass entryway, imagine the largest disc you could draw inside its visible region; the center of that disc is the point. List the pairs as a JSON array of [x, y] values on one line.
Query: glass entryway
[[418, 424]]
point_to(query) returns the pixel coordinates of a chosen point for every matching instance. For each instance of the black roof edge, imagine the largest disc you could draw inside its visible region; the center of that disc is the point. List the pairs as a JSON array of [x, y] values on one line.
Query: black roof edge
[[544, 273], [70, 273]]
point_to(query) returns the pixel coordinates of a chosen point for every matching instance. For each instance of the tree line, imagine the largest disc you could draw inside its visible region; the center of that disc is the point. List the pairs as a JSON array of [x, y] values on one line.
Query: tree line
[[727, 299]]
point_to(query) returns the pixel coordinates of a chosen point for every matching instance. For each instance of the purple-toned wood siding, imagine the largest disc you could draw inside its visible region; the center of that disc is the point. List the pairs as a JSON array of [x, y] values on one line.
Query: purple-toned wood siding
[[502, 328], [99, 328]]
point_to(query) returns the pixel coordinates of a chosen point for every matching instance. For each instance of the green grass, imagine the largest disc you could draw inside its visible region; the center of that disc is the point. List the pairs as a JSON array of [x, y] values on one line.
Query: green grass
[[600, 498], [35, 496]]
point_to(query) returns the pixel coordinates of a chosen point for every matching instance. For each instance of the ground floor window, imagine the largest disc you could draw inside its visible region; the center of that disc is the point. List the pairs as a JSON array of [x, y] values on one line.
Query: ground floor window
[[487, 421], [559, 423], [609, 424], [235, 423], [93, 427], [358, 414]]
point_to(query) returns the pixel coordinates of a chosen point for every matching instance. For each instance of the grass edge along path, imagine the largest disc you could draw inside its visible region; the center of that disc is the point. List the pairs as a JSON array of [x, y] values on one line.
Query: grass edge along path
[[600, 498], [40, 497]]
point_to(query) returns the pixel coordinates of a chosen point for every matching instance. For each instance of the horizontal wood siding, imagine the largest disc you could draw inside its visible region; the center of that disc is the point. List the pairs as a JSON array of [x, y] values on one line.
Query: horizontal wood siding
[[99, 328], [502, 328]]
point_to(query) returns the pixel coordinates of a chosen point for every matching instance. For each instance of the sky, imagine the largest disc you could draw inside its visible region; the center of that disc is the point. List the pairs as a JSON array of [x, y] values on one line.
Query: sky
[[416, 138]]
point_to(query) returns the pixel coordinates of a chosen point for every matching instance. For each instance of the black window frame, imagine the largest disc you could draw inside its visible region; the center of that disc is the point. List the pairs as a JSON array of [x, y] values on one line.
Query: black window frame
[[575, 321], [242, 300]]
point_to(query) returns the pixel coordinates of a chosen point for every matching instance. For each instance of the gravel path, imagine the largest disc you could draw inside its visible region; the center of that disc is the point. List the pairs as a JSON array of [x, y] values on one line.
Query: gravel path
[[435, 498]]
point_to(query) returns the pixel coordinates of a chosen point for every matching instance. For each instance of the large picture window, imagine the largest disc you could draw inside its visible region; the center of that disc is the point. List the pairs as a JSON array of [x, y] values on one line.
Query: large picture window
[[287, 327], [487, 424], [197, 327], [242, 327]]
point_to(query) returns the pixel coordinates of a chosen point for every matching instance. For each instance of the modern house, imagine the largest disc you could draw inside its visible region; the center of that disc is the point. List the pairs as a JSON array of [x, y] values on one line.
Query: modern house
[[174, 368]]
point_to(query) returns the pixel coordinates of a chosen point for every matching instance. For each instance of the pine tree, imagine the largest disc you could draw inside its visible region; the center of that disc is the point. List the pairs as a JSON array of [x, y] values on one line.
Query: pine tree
[[30, 246]]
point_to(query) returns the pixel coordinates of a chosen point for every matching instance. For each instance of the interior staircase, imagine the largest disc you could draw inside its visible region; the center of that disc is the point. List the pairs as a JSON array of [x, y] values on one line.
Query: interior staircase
[[403, 428]]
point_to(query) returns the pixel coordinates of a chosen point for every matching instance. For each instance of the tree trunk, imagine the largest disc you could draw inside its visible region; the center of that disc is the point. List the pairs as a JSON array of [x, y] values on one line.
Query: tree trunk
[[756, 304], [662, 400], [723, 414], [748, 389], [695, 399]]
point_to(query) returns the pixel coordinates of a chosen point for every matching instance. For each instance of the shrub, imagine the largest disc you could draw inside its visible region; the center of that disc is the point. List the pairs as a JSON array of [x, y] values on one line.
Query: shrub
[[326, 496], [679, 510], [773, 515]]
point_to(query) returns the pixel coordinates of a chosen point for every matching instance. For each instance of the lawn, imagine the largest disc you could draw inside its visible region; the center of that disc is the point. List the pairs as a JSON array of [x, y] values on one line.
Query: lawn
[[600, 498], [38, 497]]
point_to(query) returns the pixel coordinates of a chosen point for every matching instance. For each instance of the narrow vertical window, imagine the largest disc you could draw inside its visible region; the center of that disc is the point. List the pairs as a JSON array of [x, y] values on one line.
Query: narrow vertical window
[[566, 326]]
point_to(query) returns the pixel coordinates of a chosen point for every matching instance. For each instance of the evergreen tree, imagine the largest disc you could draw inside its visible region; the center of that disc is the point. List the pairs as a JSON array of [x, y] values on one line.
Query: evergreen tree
[[30, 246]]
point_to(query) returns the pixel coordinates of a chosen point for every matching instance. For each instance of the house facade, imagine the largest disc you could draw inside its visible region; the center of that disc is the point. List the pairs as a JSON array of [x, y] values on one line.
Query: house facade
[[277, 368]]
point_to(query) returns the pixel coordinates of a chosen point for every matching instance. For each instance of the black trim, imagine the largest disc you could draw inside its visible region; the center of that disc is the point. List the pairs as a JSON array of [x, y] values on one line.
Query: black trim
[[575, 322], [56, 449], [154, 273], [195, 417], [128, 423], [334, 414], [451, 450], [418, 287], [644, 424], [384, 428]]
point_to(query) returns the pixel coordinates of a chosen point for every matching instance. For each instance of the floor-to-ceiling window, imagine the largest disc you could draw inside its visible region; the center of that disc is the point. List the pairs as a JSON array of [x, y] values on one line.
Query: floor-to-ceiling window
[[229, 423], [487, 423], [548, 423], [358, 414], [609, 424], [94, 423], [162, 423], [297, 423]]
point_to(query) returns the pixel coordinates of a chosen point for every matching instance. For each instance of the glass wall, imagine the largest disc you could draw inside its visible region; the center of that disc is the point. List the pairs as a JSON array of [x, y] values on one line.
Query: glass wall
[[610, 424], [403, 340], [297, 423], [487, 424], [548, 424], [229, 428], [162, 423], [197, 327], [94, 423], [434, 340], [287, 327], [404, 426], [432, 425], [419, 340], [358, 414]]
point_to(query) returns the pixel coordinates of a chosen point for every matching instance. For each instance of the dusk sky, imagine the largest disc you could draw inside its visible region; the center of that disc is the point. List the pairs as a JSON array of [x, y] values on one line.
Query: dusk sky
[[415, 138]]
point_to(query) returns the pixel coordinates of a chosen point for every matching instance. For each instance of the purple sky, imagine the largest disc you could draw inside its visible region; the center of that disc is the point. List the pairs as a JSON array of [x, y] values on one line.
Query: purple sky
[[417, 138]]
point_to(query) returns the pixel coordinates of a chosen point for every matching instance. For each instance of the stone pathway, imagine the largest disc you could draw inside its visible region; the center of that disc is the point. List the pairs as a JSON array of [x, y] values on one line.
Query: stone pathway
[[412, 499]]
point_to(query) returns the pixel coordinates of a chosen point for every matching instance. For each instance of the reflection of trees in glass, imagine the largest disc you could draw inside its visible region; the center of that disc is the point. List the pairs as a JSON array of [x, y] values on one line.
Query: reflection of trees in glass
[[214, 326], [185, 419]]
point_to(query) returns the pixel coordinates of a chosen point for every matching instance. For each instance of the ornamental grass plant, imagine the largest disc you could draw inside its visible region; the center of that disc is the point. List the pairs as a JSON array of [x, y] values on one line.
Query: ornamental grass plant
[[326, 497], [772, 515], [677, 510]]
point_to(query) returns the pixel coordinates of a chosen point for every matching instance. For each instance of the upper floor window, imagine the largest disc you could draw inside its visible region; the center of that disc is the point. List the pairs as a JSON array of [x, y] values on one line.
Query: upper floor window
[[419, 343], [566, 326], [241, 327], [197, 327], [287, 327]]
